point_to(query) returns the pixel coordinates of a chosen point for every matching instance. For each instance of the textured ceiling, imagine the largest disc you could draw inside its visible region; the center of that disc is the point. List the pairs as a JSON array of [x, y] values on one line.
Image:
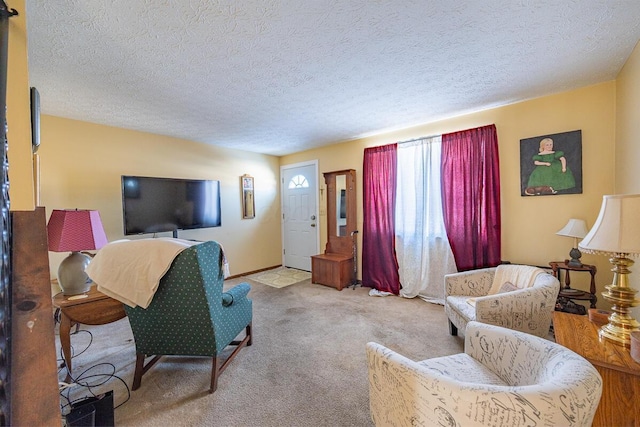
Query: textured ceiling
[[281, 76]]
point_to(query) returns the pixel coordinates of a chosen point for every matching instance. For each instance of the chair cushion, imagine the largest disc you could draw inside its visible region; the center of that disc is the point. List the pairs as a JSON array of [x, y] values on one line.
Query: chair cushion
[[464, 368], [463, 306]]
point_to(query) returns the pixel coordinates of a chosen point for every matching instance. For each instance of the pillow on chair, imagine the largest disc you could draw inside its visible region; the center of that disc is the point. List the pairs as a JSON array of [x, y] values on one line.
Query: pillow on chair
[[507, 287]]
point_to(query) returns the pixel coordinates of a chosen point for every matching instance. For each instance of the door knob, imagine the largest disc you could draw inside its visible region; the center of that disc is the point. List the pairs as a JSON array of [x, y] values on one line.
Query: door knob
[[313, 224], [313, 217]]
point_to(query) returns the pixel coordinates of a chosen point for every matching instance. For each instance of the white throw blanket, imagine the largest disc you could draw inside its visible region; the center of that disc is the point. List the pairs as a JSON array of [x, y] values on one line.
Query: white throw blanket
[[130, 270], [520, 276]]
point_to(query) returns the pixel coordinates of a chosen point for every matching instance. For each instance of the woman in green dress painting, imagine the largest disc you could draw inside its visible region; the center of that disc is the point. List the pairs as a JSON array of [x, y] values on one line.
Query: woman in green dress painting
[[551, 173]]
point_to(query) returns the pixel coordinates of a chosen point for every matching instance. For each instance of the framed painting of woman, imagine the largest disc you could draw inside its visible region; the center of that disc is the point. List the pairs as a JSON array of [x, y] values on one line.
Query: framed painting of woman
[[551, 164]]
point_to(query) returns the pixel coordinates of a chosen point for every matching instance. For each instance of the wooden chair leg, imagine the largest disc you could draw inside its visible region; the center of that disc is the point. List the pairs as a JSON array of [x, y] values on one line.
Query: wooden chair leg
[[137, 376], [217, 367], [215, 371], [141, 368]]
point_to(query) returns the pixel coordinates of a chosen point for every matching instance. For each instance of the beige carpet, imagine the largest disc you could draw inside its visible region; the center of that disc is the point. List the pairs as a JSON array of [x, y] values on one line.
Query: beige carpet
[[306, 367], [280, 277]]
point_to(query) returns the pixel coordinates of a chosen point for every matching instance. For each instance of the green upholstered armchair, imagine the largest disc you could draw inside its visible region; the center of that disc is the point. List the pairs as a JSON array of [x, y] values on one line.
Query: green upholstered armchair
[[190, 315]]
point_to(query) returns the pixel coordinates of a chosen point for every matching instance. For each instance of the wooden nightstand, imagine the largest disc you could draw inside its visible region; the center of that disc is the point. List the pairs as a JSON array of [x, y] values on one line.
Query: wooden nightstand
[[90, 308], [620, 402]]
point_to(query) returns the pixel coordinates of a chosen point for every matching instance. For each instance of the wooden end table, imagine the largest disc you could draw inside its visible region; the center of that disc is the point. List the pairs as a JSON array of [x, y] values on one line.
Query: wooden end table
[[620, 401], [567, 291], [91, 308]]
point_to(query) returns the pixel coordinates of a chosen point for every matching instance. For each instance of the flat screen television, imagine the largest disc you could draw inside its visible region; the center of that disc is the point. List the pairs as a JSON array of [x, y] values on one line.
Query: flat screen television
[[155, 205]]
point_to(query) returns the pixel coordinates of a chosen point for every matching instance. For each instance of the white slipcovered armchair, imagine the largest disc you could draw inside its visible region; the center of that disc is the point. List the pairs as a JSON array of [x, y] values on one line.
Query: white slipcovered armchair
[[503, 378], [519, 297]]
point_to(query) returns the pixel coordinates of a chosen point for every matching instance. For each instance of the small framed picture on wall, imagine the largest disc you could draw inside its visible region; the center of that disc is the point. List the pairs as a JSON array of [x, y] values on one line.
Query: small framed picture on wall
[[551, 165], [248, 201]]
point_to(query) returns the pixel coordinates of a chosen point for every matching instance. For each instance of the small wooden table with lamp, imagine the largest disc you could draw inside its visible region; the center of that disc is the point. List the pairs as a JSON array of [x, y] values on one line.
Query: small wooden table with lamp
[[89, 308], [567, 291]]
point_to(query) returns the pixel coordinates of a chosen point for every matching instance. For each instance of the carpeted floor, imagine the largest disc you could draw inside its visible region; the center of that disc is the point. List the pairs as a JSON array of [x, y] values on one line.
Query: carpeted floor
[[306, 366], [280, 277]]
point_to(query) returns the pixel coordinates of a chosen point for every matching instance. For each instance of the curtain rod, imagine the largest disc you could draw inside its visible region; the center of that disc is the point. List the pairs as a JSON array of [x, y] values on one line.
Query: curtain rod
[[408, 141]]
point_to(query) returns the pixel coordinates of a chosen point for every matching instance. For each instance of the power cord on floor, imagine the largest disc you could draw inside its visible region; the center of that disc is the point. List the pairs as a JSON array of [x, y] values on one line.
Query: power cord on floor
[[90, 381], [87, 379]]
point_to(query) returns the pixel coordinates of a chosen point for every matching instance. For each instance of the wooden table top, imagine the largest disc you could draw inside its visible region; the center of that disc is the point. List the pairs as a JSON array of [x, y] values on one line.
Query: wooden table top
[[580, 335], [61, 300]]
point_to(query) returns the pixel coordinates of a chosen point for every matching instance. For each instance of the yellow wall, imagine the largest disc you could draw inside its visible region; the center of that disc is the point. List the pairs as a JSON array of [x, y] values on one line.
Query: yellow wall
[[19, 113], [529, 224], [627, 170], [81, 165]]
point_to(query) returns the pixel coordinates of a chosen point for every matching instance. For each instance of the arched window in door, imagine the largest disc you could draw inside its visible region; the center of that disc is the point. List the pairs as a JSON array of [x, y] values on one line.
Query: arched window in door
[[299, 181]]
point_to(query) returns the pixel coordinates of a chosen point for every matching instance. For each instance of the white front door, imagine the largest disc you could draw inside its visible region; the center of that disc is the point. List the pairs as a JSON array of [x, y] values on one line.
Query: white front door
[[300, 224]]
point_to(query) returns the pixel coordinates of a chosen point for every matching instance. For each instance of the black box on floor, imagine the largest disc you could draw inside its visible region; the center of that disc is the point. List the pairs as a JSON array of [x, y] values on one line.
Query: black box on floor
[[92, 412]]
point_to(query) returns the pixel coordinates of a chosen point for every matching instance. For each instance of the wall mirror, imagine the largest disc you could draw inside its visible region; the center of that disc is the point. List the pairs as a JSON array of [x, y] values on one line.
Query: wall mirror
[[341, 210], [341, 204]]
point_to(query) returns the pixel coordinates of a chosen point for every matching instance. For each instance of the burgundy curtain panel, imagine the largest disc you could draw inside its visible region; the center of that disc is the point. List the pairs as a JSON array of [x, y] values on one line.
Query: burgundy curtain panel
[[379, 262], [471, 196]]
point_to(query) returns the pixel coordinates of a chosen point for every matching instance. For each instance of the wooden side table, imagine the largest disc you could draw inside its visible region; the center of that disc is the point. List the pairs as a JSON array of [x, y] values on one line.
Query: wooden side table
[[567, 291], [620, 402], [90, 308]]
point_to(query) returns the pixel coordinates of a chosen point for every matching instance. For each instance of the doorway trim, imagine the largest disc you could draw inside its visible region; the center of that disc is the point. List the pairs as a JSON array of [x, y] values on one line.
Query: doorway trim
[[313, 163]]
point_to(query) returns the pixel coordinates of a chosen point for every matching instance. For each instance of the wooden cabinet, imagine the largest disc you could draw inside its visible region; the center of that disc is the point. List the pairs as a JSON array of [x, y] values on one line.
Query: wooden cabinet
[[332, 270], [620, 401], [336, 267]]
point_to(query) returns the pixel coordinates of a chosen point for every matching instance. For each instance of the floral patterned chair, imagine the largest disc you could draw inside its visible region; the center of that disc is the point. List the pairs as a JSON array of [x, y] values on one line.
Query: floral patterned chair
[[190, 315], [503, 378], [519, 297]]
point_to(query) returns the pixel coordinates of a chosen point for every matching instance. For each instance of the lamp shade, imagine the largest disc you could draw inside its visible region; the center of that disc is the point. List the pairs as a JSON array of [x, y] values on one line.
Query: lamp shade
[[574, 228], [75, 230], [617, 229]]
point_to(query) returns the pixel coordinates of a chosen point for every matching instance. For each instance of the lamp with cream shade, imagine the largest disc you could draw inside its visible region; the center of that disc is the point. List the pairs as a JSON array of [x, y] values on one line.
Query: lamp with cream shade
[[577, 229], [616, 233]]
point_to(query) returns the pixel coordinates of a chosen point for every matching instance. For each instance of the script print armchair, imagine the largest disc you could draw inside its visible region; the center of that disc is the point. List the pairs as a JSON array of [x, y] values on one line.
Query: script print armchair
[[519, 297], [503, 378], [190, 315]]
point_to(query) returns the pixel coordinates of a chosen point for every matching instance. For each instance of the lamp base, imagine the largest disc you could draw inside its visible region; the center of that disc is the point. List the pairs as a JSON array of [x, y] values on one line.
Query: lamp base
[[575, 255], [619, 329], [622, 296], [71, 276]]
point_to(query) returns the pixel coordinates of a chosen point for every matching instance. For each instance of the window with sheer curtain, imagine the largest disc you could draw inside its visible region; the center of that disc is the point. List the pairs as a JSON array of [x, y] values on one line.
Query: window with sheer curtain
[[436, 210], [423, 251]]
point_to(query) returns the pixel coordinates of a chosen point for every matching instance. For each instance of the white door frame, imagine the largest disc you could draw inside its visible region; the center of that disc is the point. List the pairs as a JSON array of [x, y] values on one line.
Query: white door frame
[[313, 163]]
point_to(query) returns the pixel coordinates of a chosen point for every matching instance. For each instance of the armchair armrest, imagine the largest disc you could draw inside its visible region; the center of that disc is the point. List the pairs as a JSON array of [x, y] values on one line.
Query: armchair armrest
[[528, 310], [469, 283], [236, 293]]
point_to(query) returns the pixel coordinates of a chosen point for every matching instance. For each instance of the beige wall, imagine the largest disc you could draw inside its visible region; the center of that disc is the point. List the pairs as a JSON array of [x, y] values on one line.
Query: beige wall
[[627, 170], [18, 113], [81, 165], [529, 224]]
